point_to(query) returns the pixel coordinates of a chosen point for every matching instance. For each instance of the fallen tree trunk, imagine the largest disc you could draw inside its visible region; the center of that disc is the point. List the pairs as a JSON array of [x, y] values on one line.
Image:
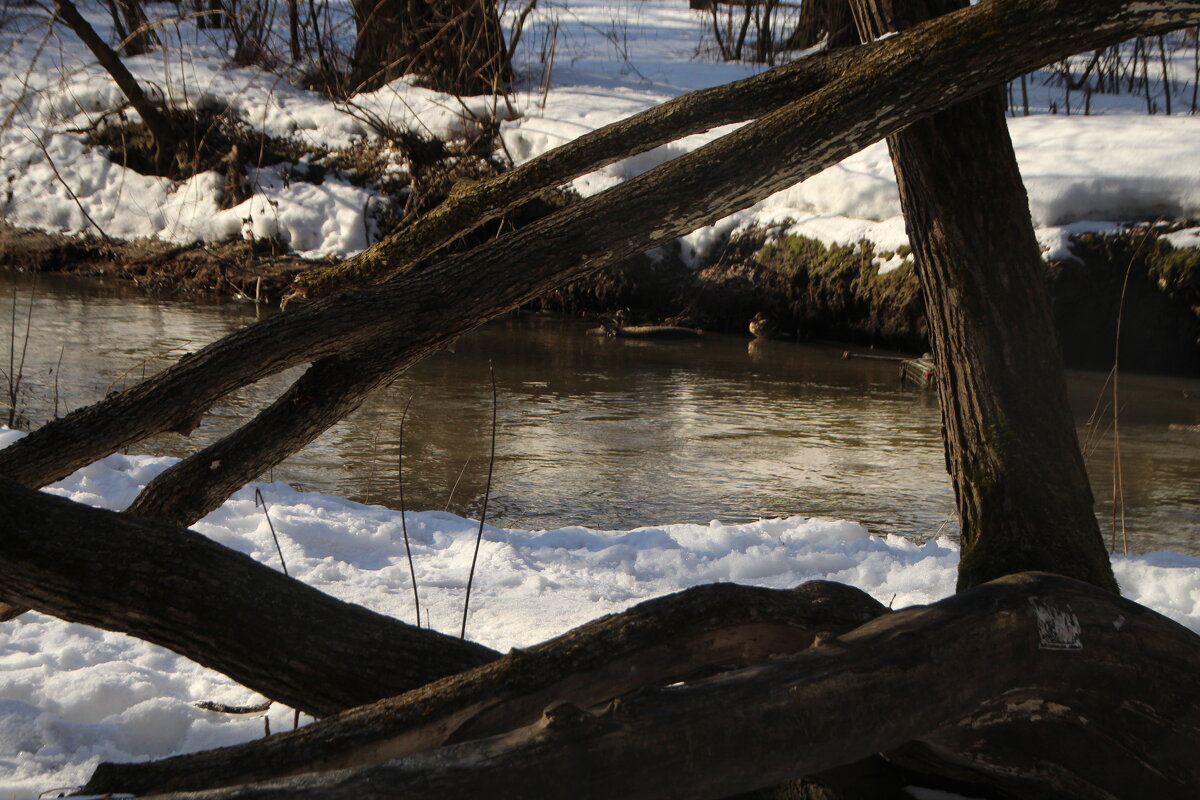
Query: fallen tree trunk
[[893, 83], [466, 209], [678, 637], [222, 609], [1056, 688]]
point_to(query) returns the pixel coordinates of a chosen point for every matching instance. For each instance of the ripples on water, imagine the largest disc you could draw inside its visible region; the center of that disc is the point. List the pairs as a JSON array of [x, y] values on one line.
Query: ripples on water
[[618, 433]]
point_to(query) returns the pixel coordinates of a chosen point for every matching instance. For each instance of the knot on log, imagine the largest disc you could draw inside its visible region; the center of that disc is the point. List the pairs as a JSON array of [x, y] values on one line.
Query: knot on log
[[827, 639], [561, 715], [186, 426]]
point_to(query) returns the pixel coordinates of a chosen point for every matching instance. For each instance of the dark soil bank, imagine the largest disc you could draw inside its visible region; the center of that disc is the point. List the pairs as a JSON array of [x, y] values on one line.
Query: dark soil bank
[[230, 270], [1132, 282]]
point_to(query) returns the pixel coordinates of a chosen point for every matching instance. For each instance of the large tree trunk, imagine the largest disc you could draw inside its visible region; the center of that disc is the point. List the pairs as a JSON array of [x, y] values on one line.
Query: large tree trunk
[[220, 608], [1034, 685], [678, 637], [828, 21], [1023, 495], [453, 46]]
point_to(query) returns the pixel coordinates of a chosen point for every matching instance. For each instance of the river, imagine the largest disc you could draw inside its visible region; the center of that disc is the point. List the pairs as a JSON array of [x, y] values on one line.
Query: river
[[615, 433]]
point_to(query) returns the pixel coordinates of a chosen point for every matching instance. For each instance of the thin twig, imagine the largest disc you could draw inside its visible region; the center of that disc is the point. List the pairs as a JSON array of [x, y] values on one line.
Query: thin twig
[[259, 500], [371, 468], [403, 520], [453, 488], [1118, 476], [57, 372], [12, 362], [24, 346], [518, 28], [487, 491], [37, 140]]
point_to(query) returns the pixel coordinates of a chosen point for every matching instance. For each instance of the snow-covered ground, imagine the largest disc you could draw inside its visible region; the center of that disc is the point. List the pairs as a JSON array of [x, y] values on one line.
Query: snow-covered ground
[[71, 695]]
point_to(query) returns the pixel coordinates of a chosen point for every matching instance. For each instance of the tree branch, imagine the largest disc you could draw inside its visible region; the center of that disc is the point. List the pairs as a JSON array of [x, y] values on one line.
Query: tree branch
[[222, 609]]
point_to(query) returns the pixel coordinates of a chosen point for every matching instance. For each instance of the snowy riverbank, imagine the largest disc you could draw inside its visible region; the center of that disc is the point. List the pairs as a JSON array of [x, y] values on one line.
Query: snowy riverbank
[[612, 59], [71, 696]]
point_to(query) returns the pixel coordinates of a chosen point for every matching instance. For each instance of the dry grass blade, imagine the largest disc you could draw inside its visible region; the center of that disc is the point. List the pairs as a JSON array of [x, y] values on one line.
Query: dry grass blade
[[259, 500], [487, 491], [412, 572]]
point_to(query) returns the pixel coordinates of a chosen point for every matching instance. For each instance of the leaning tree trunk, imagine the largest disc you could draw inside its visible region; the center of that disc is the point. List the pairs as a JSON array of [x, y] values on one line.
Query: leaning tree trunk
[[167, 142], [454, 46], [1023, 495]]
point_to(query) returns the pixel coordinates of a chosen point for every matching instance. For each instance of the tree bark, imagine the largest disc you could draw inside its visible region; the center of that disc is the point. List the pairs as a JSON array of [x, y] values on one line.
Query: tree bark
[[222, 609], [453, 46], [469, 207], [141, 37], [1022, 491], [1075, 692], [679, 637], [159, 125], [431, 304], [824, 20]]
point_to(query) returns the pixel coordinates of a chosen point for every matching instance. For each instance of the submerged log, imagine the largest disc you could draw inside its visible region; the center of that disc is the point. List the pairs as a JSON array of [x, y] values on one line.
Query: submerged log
[[646, 332], [677, 637], [1034, 684]]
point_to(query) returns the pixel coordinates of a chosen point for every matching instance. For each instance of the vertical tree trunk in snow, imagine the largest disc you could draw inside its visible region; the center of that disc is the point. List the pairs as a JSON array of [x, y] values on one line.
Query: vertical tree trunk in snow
[[455, 46], [1022, 492]]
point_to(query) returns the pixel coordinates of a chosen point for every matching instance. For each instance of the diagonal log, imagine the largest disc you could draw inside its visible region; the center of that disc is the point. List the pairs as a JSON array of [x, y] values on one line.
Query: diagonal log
[[1097, 684], [893, 83], [329, 390], [677, 637], [470, 206], [222, 609], [398, 322]]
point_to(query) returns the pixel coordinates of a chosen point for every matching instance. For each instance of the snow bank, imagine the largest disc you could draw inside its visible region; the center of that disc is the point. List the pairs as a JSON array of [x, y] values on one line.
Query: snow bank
[[71, 696]]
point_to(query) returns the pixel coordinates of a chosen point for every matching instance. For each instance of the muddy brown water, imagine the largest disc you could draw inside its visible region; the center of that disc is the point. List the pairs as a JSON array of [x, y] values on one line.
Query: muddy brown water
[[616, 433]]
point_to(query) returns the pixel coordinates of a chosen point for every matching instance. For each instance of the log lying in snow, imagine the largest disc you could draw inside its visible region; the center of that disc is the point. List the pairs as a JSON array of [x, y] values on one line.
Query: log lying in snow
[[222, 609], [1037, 684], [678, 637]]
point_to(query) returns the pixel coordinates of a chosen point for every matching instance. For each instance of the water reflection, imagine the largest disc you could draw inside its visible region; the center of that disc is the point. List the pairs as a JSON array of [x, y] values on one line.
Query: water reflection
[[619, 433]]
